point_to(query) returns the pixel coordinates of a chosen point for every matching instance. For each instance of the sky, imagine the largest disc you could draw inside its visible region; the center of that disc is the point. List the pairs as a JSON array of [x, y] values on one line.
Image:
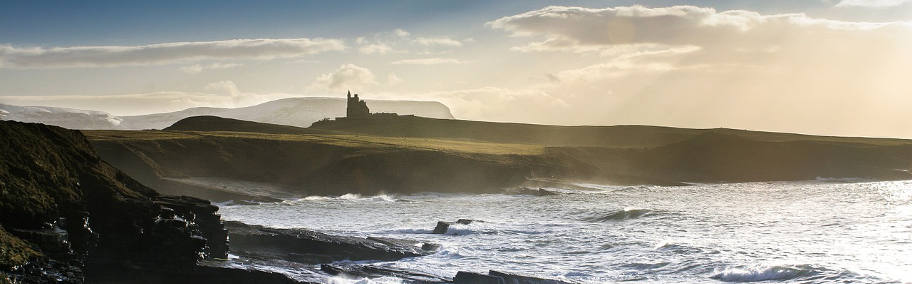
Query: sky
[[831, 67]]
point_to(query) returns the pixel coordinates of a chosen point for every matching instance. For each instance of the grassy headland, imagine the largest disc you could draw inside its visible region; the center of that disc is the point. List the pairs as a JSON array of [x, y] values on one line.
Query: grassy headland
[[413, 154]]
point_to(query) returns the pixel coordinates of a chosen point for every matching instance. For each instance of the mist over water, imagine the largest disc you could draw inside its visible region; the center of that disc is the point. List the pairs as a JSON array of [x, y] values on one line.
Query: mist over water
[[791, 232]]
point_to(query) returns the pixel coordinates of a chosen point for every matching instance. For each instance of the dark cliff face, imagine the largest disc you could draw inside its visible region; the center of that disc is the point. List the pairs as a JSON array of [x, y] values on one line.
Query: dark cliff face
[[315, 168], [66, 214]]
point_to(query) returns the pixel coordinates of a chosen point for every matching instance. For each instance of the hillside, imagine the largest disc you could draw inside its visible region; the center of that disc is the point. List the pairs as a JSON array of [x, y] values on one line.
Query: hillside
[[338, 163], [299, 112], [322, 164], [551, 135], [68, 216], [214, 123]]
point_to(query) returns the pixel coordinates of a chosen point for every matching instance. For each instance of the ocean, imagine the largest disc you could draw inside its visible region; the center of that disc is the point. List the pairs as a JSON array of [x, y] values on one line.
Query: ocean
[[822, 231]]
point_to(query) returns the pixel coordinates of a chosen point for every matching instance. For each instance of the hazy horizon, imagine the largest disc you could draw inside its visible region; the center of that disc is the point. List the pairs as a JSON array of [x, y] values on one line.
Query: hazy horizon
[[814, 67]]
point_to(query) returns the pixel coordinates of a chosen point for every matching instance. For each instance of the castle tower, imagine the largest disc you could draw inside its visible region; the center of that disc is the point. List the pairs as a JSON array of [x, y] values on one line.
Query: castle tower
[[355, 107]]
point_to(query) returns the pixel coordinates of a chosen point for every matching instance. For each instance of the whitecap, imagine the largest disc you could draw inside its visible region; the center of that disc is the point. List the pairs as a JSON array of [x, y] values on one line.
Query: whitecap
[[763, 273]]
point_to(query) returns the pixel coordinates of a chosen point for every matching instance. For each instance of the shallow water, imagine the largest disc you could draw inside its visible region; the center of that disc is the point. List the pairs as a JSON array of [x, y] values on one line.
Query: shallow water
[[793, 232]]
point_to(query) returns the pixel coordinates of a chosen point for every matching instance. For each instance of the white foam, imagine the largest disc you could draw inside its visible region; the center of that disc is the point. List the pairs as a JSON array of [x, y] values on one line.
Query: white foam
[[761, 273]]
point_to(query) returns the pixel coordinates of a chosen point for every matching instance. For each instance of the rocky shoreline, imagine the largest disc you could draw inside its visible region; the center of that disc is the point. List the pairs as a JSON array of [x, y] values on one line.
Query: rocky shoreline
[[70, 217]]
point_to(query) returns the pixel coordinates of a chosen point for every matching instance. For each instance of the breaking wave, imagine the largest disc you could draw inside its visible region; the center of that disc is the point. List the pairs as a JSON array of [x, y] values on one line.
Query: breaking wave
[[765, 273], [345, 197]]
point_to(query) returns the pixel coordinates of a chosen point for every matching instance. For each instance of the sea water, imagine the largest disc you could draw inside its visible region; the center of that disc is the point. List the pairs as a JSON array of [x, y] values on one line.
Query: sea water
[[821, 231]]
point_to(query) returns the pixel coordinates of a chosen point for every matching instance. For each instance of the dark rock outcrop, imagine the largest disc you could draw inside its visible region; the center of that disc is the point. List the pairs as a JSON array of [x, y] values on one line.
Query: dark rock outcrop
[[70, 217], [513, 278], [465, 277], [536, 192], [305, 246], [371, 271], [442, 226], [497, 277]]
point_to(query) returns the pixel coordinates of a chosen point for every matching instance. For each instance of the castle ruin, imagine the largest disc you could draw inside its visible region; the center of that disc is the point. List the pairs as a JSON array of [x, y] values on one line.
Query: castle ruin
[[356, 108]]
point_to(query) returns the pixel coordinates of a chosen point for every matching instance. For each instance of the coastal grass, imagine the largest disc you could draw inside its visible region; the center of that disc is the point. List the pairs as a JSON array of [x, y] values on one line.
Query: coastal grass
[[343, 140]]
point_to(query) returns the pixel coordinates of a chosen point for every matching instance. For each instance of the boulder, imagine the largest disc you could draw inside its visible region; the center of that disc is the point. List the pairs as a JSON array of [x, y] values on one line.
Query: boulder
[[443, 226]]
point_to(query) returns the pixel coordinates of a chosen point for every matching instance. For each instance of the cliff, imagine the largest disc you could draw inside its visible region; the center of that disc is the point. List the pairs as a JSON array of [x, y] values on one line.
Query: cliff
[[336, 163], [324, 164], [70, 217]]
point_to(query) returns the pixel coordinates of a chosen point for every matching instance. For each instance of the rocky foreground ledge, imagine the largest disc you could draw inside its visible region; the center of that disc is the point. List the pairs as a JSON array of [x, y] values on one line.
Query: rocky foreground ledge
[[69, 217], [311, 247]]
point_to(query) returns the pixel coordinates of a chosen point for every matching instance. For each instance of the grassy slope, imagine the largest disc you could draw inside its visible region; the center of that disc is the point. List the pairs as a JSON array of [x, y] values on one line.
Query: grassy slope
[[452, 155], [321, 163], [551, 135]]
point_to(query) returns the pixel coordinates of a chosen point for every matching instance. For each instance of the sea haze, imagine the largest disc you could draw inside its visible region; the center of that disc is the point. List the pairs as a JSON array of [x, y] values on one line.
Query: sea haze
[[782, 232]]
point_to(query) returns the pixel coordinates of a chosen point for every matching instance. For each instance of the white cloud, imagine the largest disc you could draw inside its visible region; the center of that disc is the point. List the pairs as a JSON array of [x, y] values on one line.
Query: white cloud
[[438, 41], [197, 68], [401, 33], [584, 28], [347, 76], [375, 48], [872, 3], [163, 53], [427, 61]]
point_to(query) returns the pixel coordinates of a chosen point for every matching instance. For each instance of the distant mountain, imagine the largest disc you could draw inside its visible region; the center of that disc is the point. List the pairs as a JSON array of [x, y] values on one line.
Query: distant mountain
[[299, 112], [63, 117]]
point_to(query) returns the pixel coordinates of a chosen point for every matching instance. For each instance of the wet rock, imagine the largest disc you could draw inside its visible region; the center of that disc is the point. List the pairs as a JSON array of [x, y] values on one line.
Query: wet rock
[[371, 271], [198, 274], [464, 221], [443, 226], [306, 246], [512, 278], [463, 277], [536, 192]]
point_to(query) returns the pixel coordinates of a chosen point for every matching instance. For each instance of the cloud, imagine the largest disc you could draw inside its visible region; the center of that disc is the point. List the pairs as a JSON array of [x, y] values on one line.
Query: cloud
[[643, 61], [428, 61], [375, 48], [438, 41], [580, 29], [152, 102], [872, 3], [401, 33], [347, 76], [163, 53], [197, 68], [699, 67]]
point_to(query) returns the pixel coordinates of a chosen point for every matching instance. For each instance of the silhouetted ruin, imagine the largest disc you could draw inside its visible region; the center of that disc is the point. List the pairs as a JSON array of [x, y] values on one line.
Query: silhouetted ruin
[[357, 108]]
